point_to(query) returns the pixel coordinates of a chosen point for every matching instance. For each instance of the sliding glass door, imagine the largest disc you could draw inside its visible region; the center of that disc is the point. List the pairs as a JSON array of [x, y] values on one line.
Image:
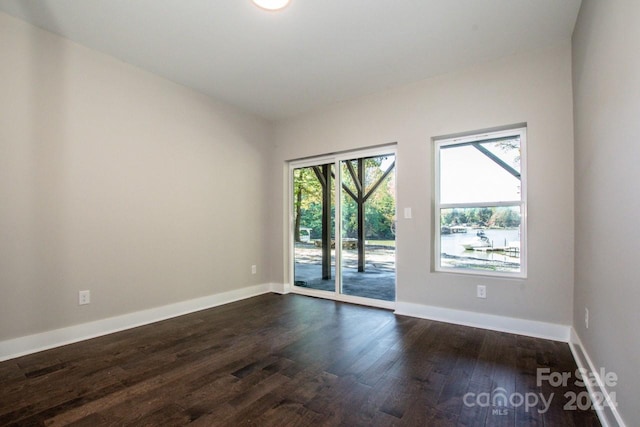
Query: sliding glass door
[[355, 256]]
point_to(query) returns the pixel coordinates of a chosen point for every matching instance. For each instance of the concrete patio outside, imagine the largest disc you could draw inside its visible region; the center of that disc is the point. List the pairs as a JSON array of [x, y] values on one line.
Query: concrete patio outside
[[378, 281]]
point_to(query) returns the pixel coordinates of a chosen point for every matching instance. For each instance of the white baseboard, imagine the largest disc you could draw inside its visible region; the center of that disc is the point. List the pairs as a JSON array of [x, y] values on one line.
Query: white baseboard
[[21, 346], [281, 288], [532, 328], [608, 414]]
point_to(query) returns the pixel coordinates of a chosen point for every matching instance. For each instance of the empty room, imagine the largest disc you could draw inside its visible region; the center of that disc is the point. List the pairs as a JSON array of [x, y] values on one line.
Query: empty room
[[295, 212]]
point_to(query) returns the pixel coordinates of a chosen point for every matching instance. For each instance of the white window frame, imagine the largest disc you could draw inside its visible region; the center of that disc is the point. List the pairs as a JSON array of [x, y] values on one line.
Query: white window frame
[[520, 132]]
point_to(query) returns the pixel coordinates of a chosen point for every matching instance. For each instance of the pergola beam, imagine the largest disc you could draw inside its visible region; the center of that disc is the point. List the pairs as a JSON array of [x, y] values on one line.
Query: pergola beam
[[354, 176], [379, 181], [489, 154], [496, 159]]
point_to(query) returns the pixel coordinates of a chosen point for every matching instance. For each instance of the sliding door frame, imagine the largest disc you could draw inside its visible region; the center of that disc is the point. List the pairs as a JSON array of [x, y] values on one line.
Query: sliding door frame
[[336, 160]]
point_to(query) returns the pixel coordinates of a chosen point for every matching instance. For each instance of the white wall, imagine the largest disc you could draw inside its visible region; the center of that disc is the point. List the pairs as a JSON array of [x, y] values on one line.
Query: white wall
[[534, 88], [117, 181], [606, 82]]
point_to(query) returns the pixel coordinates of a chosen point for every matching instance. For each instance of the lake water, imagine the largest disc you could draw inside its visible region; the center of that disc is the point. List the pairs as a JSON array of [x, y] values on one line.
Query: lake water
[[451, 244]]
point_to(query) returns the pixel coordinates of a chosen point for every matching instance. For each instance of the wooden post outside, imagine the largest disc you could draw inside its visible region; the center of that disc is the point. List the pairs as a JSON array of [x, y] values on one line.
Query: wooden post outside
[[326, 222], [360, 201]]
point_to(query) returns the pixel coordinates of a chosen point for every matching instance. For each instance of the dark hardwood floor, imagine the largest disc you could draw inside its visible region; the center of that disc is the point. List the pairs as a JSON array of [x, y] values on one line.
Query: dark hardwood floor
[[288, 360]]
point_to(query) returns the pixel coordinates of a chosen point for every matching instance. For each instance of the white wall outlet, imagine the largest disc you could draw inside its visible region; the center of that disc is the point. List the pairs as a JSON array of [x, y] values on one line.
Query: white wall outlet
[[481, 291], [254, 269], [586, 317], [84, 297], [407, 213]]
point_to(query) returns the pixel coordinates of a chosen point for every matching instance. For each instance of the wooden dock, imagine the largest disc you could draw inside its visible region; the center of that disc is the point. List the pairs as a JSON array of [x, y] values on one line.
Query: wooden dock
[[510, 250]]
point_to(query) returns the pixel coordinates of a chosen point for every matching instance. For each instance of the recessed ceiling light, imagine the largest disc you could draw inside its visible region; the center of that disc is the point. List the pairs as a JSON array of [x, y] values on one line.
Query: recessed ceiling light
[[271, 4]]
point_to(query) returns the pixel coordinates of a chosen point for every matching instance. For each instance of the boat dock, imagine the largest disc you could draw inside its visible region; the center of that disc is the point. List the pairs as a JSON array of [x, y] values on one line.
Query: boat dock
[[513, 251]]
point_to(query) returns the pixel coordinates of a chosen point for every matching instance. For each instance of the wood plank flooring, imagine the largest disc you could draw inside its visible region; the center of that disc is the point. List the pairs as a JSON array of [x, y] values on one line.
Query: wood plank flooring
[[277, 360]]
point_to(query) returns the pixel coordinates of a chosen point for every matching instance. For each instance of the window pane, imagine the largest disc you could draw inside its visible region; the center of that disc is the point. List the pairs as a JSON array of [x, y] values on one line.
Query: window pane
[[483, 238], [480, 172]]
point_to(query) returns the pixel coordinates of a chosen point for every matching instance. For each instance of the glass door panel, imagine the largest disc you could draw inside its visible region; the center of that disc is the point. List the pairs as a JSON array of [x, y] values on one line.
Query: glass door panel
[[314, 227], [368, 215]]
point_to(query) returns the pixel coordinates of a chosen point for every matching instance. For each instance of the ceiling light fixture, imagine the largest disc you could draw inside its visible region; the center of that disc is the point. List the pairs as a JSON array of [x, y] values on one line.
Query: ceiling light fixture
[[271, 5]]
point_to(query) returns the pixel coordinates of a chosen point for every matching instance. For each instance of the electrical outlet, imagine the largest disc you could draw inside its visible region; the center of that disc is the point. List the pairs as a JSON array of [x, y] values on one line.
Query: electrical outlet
[[84, 297], [586, 317], [481, 291], [254, 269]]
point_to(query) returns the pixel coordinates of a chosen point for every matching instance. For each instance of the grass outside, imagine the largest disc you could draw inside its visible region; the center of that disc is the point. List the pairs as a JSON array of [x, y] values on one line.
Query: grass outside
[[390, 243], [385, 243]]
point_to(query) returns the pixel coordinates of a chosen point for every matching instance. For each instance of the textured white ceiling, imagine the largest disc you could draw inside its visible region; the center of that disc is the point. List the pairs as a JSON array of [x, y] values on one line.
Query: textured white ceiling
[[313, 53]]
